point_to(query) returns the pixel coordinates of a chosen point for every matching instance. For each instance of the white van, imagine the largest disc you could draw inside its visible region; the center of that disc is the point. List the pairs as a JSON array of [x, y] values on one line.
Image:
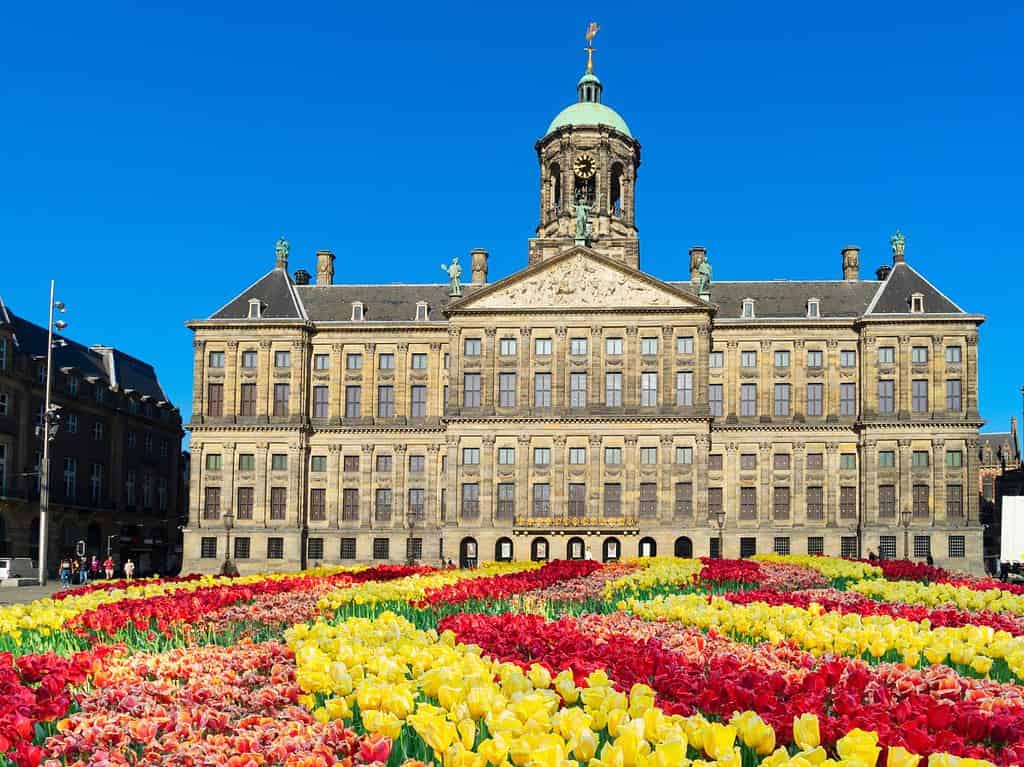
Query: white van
[[17, 567]]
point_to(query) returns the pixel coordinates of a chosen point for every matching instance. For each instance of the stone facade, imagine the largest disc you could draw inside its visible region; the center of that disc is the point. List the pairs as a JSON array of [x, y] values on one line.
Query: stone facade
[[582, 403]]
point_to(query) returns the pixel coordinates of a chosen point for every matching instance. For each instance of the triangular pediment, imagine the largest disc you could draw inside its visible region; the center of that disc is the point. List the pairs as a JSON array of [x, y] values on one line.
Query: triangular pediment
[[578, 279]]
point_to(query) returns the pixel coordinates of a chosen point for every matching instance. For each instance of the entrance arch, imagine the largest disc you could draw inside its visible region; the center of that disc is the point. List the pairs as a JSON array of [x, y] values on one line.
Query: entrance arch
[[648, 547], [611, 550], [684, 547], [539, 550], [467, 553], [503, 550], [575, 548]]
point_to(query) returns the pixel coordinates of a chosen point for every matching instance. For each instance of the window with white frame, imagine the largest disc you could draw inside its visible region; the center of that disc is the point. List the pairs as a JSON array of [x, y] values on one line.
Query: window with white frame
[[917, 303], [782, 358], [953, 355], [649, 346], [782, 399], [613, 346], [919, 355], [470, 456], [813, 308], [358, 315], [506, 389], [684, 345], [542, 456], [578, 347], [748, 399], [577, 456], [419, 361], [716, 406], [613, 456], [648, 456], [471, 347], [648, 389], [847, 358], [814, 358], [422, 311], [507, 347], [542, 390], [815, 396], [542, 347], [748, 359], [886, 355], [848, 399], [716, 360], [282, 359], [577, 390], [684, 388], [354, 361], [684, 454], [748, 309], [613, 389], [506, 456]]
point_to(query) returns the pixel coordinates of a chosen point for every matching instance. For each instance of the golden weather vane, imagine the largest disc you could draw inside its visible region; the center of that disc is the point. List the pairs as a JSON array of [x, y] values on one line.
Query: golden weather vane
[[592, 29]]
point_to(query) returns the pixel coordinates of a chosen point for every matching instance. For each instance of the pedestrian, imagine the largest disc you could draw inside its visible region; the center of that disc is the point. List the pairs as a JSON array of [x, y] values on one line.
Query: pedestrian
[[94, 568], [83, 571], [74, 571], [871, 555], [65, 572], [929, 561], [108, 567], [129, 569], [588, 555]]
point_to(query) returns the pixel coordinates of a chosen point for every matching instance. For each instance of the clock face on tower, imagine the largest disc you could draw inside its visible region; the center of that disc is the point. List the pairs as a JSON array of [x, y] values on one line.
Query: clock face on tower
[[584, 166]]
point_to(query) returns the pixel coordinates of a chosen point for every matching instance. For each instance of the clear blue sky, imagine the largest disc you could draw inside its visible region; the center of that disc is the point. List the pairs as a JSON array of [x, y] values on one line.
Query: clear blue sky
[[152, 155]]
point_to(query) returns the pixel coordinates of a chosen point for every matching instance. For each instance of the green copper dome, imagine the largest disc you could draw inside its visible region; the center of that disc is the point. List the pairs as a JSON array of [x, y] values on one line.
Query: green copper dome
[[589, 113]]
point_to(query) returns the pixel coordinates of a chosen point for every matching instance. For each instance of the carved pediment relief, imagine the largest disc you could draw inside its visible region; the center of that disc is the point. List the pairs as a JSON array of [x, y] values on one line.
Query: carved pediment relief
[[580, 280]]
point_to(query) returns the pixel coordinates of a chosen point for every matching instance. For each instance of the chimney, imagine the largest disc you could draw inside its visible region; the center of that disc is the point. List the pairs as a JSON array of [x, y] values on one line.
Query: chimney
[[478, 259], [697, 255], [882, 273], [324, 267], [851, 263], [301, 277]]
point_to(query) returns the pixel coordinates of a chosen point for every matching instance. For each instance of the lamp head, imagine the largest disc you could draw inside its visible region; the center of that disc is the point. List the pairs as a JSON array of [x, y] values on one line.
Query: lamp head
[[59, 306], [60, 324]]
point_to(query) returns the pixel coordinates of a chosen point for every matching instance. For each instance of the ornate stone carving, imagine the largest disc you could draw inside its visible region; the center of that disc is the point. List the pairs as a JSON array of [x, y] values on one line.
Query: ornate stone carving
[[433, 449], [264, 344], [595, 442], [197, 344], [435, 347], [490, 332], [595, 330], [972, 340], [367, 449], [904, 443]]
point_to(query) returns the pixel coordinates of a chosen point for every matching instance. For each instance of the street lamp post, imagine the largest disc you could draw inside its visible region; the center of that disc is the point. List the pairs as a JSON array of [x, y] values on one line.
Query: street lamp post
[[229, 522], [412, 518], [109, 539], [905, 521], [718, 517], [49, 431]]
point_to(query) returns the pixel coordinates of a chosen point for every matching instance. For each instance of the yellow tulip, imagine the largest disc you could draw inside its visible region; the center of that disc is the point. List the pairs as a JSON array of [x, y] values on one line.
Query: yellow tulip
[[611, 756], [719, 740], [540, 676], [806, 732], [981, 664], [815, 756], [617, 718], [900, 757], [460, 757], [585, 745], [669, 753], [565, 685], [337, 708], [493, 750], [858, 745], [467, 732]]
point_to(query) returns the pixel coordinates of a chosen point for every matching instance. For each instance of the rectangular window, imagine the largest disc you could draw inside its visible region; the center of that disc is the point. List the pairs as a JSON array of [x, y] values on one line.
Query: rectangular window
[[954, 501], [886, 459], [648, 389], [542, 456], [748, 547], [214, 461], [919, 458], [577, 456], [954, 459], [318, 504], [507, 347], [578, 347], [613, 346], [782, 359], [612, 499], [748, 503], [887, 501], [781, 461], [418, 401], [470, 456], [577, 499], [350, 463], [413, 549], [382, 504], [506, 389], [648, 499], [354, 361], [381, 548], [715, 548], [97, 431], [847, 358], [278, 502], [815, 395], [353, 401], [613, 389], [814, 359], [683, 505], [320, 402], [815, 502], [748, 399], [470, 500], [922, 500], [211, 503], [215, 400], [417, 464], [245, 502], [348, 549], [748, 461], [648, 346], [471, 390], [748, 360], [715, 462], [887, 547], [247, 399], [815, 461], [419, 361], [781, 400], [684, 388], [386, 361], [506, 456], [542, 347], [417, 502], [886, 396], [714, 501], [279, 462], [780, 502], [96, 483], [848, 461], [542, 390], [315, 548], [953, 401], [321, 361], [506, 500], [242, 548], [886, 355], [684, 455], [922, 546], [471, 347], [848, 399], [350, 504], [385, 401], [781, 546], [613, 456], [919, 355], [716, 359], [684, 345], [383, 464], [847, 502], [957, 547], [216, 359], [648, 456], [815, 546], [4, 404], [282, 359], [848, 546], [129, 486], [541, 499], [577, 390], [282, 392], [953, 355], [919, 396], [716, 406], [208, 548]]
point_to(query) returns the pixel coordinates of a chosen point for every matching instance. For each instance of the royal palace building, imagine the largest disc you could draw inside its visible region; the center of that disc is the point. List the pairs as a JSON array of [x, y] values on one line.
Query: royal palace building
[[582, 404]]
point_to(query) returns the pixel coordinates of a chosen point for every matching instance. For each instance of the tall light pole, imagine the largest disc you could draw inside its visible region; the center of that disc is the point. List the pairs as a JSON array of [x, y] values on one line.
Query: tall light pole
[[49, 431], [718, 517], [229, 522], [905, 521]]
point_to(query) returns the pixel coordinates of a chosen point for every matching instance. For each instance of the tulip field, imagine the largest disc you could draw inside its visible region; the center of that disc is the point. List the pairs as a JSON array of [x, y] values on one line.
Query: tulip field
[[772, 661]]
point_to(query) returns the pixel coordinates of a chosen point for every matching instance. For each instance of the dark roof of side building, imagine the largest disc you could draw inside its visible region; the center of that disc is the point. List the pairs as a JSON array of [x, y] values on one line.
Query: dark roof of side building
[[788, 298], [1000, 446], [104, 363], [276, 293], [381, 303], [903, 282]]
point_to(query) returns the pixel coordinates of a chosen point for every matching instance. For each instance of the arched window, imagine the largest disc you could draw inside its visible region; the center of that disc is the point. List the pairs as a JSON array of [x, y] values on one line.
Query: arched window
[[575, 549], [615, 190], [539, 550], [611, 550], [648, 547], [503, 551], [468, 553], [683, 548], [556, 186]]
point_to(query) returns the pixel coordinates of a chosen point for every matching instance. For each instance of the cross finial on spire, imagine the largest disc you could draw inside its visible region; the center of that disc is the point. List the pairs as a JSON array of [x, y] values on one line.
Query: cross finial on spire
[[592, 29]]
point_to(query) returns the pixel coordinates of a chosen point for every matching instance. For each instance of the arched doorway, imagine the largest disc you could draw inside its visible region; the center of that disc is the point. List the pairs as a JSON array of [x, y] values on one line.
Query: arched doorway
[[503, 550], [648, 547], [467, 553], [611, 550], [575, 549], [539, 550], [684, 547]]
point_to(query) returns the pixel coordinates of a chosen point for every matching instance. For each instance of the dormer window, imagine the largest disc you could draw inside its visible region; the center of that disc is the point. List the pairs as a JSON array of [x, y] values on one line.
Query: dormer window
[[917, 303], [255, 309], [813, 308], [422, 311], [357, 311], [748, 309]]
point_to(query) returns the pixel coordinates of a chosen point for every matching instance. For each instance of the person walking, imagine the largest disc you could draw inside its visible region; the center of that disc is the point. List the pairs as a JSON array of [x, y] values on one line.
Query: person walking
[[108, 567], [65, 573], [129, 569], [83, 571], [94, 568], [74, 571]]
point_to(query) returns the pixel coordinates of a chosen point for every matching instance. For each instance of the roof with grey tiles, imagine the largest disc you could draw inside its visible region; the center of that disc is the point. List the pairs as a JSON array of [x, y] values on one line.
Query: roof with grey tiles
[[901, 284], [788, 298], [276, 293], [995, 446], [381, 303]]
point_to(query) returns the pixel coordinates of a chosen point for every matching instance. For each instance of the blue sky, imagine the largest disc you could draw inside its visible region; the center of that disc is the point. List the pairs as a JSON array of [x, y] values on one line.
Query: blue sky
[[153, 152]]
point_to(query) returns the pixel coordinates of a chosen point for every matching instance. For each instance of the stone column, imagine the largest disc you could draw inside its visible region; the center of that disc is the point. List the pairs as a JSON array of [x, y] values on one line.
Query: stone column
[[487, 505], [765, 377], [903, 385], [298, 399], [970, 386], [665, 495], [939, 480], [435, 382], [594, 476], [430, 518], [366, 494], [261, 500], [227, 493], [798, 368], [731, 380], [595, 379], [198, 380], [700, 484], [523, 505], [667, 395], [337, 383], [296, 486], [195, 485], [451, 479], [368, 404], [701, 348], [831, 398], [231, 382], [798, 492], [906, 497], [631, 371], [525, 382], [831, 483], [731, 492], [398, 501], [938, 370], [868, 471], [631, 461], [764, 470], [971, 486], [264, 381], [488, 376], [333, 486], [558, 461], [401, 381], [559, 371]]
